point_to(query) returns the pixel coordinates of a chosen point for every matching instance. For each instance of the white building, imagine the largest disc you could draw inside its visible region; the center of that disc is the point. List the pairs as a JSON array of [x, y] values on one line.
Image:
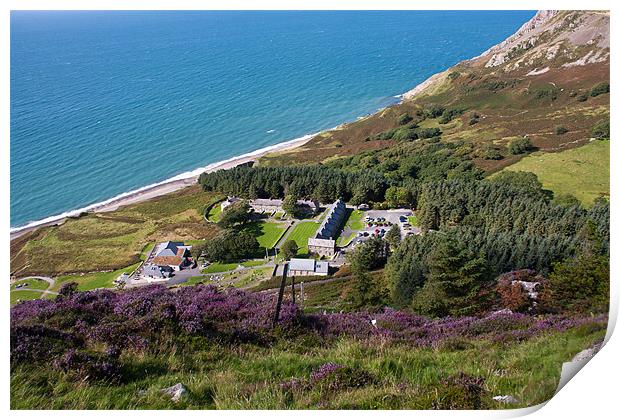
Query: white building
[[307, 267]]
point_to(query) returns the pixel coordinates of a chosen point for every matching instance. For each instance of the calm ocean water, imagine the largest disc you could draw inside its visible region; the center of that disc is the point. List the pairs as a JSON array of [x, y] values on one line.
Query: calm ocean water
[[107, 102]]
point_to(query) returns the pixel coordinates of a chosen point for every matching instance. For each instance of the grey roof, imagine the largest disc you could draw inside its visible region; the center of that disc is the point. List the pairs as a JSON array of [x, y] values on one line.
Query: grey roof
[[266, 202], [302, 264], [330, 225], [276, 202], [154, 271], [170, 249], [326, 243], [322, 267]]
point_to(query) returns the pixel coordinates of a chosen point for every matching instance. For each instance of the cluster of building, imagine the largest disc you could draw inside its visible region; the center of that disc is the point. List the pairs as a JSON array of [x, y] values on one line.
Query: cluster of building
[[323, 242], [271, 206], [168, 258]]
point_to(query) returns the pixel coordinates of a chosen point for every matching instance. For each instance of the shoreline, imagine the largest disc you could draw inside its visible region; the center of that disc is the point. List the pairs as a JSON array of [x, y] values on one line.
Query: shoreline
[[158, 189], [189, 178]]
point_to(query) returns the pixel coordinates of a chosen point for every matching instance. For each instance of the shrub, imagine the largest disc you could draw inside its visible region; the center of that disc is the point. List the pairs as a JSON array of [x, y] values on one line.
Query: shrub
[[434, 111], [599, 89], [547, 92], [461, 392], [601, 130], [560, 129], [426, 133], [404, 119], [512, 292], [519, 146], [68, 289], [449, 114], [88, 367], [405, 134], [489, 153], [334, 377], [582, 98]]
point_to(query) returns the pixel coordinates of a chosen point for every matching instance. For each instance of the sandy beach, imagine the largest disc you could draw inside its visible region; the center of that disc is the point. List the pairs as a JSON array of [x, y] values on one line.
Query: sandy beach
[[173, 184]]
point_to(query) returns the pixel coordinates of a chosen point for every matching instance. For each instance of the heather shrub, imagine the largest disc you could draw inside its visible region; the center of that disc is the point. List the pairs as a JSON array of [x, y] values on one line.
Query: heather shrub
[[91, 329], [334, 377], [461, 392], [599, 89], [68, 289], [88, 367], [39, 343]]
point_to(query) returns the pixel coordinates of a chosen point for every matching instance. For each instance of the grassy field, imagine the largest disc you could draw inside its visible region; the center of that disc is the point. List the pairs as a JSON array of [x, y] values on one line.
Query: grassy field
[[31, 284], [113, 240], [23, 295], [582, 172], [90, 281], [343, 241], [239, 279], [215, 214], [219, 268], [267, 233], [249, 377], [355, 220], [300, 234]]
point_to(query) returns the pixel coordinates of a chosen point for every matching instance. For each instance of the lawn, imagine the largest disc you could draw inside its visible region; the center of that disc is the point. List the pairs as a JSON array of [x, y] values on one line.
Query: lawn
[[245, 278], [215, 214], [582, 172], [219, 267], [31, 284], [254, 263], [23, 295], [300, 234], [113, 240], [90, 281], [355, 220], [267, 233], [343, 241]]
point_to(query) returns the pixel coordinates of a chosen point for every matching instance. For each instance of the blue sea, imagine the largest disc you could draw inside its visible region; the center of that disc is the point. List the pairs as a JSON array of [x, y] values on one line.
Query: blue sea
[[110, 101]]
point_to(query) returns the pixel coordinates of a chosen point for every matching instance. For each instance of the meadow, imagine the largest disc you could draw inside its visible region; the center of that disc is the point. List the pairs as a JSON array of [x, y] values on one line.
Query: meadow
[[113, 240], [582, 172]]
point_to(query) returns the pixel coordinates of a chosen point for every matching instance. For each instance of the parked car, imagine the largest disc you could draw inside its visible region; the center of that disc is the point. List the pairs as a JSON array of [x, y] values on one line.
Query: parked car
[[402, 218]]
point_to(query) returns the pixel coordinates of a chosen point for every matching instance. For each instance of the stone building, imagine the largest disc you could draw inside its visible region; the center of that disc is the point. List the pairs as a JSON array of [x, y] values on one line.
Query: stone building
[[323, 243]]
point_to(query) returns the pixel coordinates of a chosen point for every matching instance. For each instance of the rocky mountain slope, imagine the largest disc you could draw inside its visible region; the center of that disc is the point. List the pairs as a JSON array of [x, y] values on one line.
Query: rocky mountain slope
[[535, 81]]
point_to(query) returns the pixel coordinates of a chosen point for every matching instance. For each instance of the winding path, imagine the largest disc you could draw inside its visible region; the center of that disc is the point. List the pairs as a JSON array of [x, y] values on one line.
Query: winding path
[[51, 282]]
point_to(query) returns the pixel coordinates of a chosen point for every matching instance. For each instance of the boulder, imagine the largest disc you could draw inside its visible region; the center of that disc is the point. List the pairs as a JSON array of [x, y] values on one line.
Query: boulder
[[177, 392], [506, 399]]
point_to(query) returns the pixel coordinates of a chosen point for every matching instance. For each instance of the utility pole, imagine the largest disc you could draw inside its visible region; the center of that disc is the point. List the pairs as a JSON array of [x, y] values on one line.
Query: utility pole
[[293, 288], [301, 297], [280, 296]]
